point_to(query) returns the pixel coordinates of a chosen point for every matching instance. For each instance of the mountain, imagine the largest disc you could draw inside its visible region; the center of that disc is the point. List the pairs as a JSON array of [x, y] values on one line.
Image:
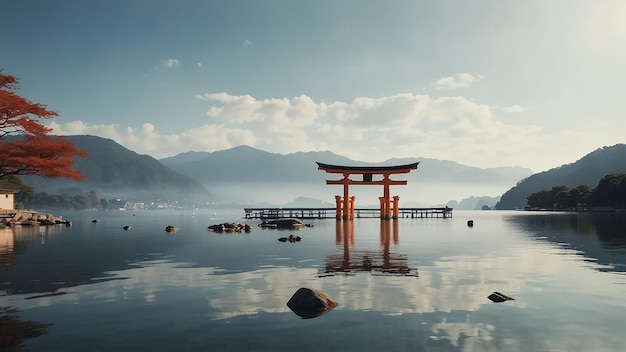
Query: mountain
[[587, 170], [474, 203], [115, 172], [247, 175], [244, 164], [184, 158]]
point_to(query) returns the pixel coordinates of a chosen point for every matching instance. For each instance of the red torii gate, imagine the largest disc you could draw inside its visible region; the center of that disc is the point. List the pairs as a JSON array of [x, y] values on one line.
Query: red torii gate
[[345, 205]]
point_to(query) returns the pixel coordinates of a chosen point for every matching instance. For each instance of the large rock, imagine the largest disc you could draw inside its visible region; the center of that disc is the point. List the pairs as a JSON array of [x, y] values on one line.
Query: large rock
[[499, 297], [310, 303]]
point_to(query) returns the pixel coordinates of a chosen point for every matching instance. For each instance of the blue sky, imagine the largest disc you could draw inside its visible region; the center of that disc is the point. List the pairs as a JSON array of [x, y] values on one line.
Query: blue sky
[[535, 84]]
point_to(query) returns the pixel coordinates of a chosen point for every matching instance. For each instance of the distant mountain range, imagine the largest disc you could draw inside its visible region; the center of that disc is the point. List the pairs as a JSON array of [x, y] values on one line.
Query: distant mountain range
[[587, 170], [246, 176], [251, 176], [115, 172]]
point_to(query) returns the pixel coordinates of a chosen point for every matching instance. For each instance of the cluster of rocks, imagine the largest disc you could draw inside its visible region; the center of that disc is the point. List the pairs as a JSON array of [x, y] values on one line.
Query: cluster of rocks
[[291, 239], [30, 217], [231, 227]]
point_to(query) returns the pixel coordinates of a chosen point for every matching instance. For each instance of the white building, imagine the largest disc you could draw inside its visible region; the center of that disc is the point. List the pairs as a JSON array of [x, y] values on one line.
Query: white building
[[7, 196]]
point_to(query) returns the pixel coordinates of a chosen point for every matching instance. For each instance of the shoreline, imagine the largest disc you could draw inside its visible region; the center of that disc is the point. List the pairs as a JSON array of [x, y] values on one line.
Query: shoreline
[[21, 217]]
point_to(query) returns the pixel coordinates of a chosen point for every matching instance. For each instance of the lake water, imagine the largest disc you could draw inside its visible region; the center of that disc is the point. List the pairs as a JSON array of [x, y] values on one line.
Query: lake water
[[405, 285]]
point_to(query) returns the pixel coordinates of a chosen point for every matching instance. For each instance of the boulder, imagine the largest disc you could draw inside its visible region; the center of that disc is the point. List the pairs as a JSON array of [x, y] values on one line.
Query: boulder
[[171, 229], [217, 228], [310, 303], [499, 297]]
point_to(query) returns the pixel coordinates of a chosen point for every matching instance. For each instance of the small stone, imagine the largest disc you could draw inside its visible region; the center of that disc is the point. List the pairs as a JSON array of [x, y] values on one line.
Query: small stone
[[171, 228]]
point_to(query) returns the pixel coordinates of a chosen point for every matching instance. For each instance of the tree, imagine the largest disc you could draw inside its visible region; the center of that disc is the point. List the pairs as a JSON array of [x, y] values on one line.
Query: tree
[[609, 191], [582, 195], [564, 200], [558, 197], [35, 152], [542, 199]]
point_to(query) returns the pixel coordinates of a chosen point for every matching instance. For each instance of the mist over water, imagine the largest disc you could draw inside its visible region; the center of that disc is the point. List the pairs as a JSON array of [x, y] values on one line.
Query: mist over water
[[414, 194]]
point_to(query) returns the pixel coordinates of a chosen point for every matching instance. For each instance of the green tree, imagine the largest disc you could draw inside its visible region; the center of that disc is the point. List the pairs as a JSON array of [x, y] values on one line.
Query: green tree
[[610, 191], [581, 195], [542, 199], [564, 200]]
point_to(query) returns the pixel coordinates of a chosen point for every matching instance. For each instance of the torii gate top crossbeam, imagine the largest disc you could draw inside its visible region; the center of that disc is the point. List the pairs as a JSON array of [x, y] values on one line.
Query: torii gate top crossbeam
[[380, 170]]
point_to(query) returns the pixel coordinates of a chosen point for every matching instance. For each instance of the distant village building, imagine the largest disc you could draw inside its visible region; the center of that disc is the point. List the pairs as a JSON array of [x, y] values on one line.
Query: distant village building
[[7, 196]]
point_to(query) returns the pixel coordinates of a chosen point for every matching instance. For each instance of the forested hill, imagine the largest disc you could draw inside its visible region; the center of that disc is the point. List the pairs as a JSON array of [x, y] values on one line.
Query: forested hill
[[588, 170], [116, 172]]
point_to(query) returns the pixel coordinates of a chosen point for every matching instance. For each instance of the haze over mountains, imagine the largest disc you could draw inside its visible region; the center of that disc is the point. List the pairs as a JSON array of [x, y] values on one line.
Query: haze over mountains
[[245, 176], [252, 176], [116, 172]]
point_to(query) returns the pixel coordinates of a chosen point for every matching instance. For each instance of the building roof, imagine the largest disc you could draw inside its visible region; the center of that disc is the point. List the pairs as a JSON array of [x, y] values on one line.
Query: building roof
[[6, 187]]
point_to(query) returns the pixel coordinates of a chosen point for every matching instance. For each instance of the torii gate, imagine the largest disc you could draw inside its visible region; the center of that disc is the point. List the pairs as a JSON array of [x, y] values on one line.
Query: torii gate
[[345, 206]]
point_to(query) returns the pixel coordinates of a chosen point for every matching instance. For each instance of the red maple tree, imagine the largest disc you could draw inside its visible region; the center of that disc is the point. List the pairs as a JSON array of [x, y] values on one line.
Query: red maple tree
[[35, 151]]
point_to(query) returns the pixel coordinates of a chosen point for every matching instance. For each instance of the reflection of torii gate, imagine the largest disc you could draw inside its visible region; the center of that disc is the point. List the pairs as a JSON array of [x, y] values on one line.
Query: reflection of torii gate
[[385, 261], [345, 205]]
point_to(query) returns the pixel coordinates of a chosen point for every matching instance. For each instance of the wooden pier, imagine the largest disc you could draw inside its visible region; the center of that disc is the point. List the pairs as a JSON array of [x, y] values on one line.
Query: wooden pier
[[331, 213]]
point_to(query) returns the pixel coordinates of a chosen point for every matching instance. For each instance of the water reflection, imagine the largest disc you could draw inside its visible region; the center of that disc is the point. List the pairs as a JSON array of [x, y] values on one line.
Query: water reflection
[[14, 331], [599, 237], [50, 259], [7, 247], [234, 286], [381, 261]]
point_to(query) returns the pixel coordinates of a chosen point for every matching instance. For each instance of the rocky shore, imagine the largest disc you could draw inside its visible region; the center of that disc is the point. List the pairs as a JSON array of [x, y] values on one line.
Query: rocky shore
[[20, 217]]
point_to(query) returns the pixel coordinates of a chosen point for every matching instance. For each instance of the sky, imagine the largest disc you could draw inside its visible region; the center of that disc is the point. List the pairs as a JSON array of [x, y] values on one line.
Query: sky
[[535, 83]]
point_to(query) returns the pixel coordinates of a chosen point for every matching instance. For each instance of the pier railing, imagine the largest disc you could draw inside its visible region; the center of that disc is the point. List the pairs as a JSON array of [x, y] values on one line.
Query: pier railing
[[331, 213]]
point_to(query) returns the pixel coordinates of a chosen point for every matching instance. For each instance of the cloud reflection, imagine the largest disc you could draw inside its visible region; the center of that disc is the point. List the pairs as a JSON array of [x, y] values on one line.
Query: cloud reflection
[[450, 293]]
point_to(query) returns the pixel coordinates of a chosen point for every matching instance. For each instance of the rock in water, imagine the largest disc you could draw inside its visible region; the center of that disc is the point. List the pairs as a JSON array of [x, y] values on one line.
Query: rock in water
[[499, 297], [310, 303], [171, 229]]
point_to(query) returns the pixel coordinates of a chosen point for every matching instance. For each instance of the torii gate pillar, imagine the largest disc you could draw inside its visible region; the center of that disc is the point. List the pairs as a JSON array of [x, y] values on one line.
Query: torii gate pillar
[[345, 205]]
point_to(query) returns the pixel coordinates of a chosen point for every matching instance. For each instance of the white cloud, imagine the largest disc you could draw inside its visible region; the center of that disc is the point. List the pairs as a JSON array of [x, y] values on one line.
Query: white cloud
[[247, 43], [150, 141], [513, 108], [460, 80], [170, 63], [365, 129]]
